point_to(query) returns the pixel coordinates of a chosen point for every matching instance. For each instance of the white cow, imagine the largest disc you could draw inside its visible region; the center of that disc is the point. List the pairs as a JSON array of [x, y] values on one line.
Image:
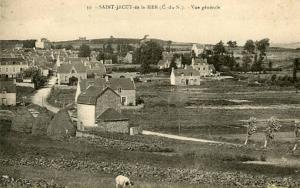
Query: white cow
[[123, 181]]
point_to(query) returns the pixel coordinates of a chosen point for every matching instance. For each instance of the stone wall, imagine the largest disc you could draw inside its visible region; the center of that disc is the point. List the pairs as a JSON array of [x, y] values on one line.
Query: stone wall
[[108, 99], [114, 126], [181, 80]]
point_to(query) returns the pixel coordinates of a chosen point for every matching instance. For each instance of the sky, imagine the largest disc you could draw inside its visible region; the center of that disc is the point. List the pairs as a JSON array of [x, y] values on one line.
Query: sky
[[237, 20]]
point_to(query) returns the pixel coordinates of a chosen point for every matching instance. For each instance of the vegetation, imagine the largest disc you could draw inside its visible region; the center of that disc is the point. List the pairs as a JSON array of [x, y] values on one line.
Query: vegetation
[[36, 76], [84, 51], [149, 53]]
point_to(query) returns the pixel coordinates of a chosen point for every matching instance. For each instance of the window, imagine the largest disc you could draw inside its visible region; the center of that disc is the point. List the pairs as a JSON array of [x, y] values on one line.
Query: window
[[120, 90], [73, 71], [66, 78], [203, 68], [6, 69], [4, 101], [0, 70], [123, 100], [14, 69]]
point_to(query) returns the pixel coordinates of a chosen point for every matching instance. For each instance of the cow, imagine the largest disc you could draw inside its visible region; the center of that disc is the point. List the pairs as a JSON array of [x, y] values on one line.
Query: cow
[[123, 181]]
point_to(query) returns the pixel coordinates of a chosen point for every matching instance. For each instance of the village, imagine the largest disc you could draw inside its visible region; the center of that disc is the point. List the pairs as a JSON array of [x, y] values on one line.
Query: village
[[66, 105]]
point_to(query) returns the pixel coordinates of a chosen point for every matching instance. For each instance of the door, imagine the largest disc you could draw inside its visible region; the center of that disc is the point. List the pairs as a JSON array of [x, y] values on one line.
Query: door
[[123, 100]]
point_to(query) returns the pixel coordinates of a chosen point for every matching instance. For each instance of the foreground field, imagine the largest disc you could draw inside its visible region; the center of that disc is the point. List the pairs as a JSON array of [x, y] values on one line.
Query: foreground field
[[94, 163]]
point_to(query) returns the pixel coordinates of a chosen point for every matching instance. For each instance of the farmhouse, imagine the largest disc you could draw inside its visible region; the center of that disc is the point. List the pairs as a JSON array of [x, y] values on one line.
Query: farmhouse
[[124, 87], [12, 67], [8, 92], [70, 73], [43, 43], [101, 109], [186, 76], [96, 69]]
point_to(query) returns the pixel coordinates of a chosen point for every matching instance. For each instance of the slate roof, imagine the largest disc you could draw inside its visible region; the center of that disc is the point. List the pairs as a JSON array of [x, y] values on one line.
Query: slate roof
[[111, 115], [91, 94], [67, 67], [97, 68], [189, 71], [113, 83], [8, 86]]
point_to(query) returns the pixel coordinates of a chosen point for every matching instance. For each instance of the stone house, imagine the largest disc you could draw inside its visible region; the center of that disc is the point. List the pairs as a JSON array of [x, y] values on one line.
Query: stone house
[[202, 66], [71, 73], [184, 77], [12, 67], [8, 92], [93, 102], [124, 87]]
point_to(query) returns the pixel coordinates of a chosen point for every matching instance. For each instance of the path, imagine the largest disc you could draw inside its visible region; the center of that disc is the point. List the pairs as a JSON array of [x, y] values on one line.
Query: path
[[40, 97], [176, 137]]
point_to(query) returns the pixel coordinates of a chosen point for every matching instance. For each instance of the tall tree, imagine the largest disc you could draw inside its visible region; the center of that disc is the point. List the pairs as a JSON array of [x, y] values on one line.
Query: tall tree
[[149, 53], [219, 48], [84, 51], [249, 46]]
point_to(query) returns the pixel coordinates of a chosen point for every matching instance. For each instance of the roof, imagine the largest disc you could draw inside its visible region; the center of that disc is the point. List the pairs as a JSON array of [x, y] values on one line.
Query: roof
[[186, 72], [113, 83], [91, 94], [199, 61], [123, 83], [112, 115], [11, 60], [8, 85], [97, 68], [67, 67]]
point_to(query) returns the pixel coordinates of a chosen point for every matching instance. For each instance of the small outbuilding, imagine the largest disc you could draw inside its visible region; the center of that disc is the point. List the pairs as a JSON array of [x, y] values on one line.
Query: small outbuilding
[[113, 121]]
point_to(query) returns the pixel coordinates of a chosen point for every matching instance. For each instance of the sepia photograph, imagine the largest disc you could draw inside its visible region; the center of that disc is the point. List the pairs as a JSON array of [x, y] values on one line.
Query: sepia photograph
[[150, 93]]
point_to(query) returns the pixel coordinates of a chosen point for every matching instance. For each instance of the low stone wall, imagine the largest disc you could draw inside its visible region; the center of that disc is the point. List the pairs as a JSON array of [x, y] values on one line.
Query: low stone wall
[[114, 126]]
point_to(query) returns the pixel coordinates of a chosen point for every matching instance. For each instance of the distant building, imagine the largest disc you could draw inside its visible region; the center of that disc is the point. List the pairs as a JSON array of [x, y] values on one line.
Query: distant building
[[43, 43], [202, 66], [163, 64], [12, 67], [128, 58], [197, 49], [186, 76], [71, 73], [8, 92]]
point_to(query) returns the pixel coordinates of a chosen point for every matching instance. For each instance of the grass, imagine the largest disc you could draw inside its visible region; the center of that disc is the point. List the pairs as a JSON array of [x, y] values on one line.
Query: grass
[[61, 97]]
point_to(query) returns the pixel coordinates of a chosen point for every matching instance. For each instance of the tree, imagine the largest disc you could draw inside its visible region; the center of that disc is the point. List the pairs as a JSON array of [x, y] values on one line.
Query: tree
[[262, 46], [295, 69], [169, 42], [36, 77], [232, 45], [272, 127], [149, 53], [251, 128], [84, 51], [246, 62], [69, 47], [219, 48], [249, 46]]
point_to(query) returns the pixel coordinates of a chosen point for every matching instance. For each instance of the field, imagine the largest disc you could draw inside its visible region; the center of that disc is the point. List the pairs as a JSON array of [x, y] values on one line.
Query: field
[[216, 110]]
